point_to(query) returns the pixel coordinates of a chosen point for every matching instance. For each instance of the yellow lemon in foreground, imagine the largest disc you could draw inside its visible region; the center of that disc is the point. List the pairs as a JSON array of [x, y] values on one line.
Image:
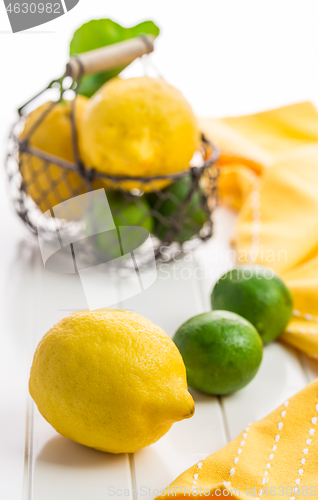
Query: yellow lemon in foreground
[[47, 183], [138, 127], [110, 379]]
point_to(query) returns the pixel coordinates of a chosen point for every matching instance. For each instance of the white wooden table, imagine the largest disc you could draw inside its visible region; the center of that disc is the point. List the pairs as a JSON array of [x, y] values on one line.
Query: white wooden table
[[36, 463]]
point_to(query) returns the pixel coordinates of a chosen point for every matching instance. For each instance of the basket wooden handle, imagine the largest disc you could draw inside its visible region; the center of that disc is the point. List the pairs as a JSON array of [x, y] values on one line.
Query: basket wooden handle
[[109, 57]]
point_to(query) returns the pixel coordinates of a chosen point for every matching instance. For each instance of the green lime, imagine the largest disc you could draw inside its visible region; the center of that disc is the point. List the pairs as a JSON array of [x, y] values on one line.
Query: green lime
[[126, 211], [221, 351], [193, 215], [131, 211], [257, 294]]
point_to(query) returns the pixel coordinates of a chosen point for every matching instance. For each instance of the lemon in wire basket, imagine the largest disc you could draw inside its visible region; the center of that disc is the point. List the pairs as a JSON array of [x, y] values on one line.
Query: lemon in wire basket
[[49, 130], [138, 127]]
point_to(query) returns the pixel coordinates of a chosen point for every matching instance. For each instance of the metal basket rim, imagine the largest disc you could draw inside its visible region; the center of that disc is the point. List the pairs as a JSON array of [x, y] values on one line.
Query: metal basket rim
[[91, 173]]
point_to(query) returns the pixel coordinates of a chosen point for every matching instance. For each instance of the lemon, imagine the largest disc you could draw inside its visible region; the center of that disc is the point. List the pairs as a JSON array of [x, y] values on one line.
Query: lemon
[[49, 184], [110, 379], [138, 127]]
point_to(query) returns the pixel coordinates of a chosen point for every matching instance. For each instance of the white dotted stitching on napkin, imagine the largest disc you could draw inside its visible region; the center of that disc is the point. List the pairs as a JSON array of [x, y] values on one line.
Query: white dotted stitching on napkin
[[305, 316], [274, 448], [239, 451], [196, 475], [296, 313], [305, 450], [310, 331]]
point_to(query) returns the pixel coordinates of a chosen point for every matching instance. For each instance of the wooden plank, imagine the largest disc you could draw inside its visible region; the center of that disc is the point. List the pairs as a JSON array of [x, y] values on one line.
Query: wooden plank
[[280, 363], [279, 377], [215, 257], [186, 443], [61, 468], [64, 469], [16, 295], [310, 367], [170, 301]]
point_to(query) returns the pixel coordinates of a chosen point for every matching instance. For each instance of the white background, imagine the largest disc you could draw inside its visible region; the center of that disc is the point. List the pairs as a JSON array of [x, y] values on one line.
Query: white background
[[228, 57]]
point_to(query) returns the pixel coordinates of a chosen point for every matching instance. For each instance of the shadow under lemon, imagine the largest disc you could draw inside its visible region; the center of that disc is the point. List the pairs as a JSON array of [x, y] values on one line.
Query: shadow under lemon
[[66, 453]]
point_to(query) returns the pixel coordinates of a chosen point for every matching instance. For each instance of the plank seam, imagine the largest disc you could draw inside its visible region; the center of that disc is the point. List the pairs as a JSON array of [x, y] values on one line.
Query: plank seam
[[36, 265], [133, 476], [204, 303], [225, 422], [28, 455], [304, 365]]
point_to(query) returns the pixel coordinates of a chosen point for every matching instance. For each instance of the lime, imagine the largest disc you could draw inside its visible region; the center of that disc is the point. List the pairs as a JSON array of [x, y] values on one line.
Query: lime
[[126, 211], [130, 211], [192, 218], [221, 351], [257, 294]]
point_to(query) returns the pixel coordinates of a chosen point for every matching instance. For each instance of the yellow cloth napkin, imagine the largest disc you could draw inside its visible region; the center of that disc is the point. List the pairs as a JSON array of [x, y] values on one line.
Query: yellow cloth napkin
[[269, 171], [275, 457]]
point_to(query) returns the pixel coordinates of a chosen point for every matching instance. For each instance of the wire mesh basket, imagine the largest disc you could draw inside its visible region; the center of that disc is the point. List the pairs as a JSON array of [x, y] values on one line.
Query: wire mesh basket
[[176, 208]]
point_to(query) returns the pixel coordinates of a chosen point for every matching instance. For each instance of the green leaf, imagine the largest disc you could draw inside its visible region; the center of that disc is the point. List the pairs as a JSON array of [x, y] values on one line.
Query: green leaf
[[99, 33]]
